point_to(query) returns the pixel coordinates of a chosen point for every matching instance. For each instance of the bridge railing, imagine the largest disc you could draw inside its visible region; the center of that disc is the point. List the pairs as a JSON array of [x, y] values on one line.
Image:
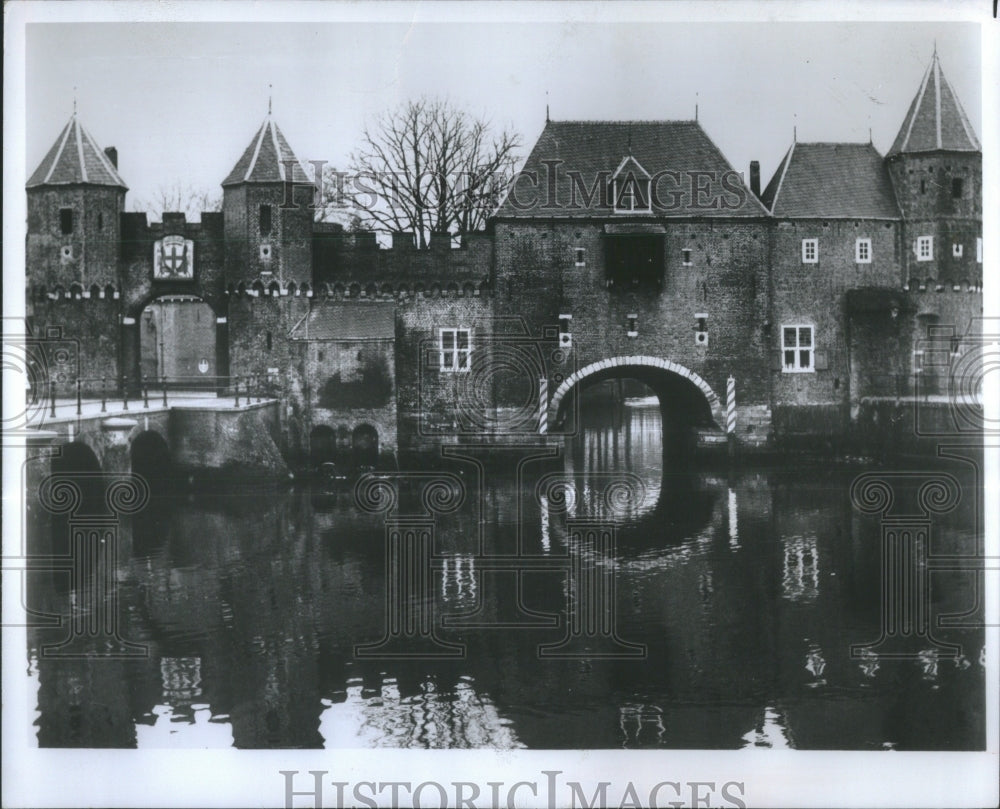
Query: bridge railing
[[139, 393]]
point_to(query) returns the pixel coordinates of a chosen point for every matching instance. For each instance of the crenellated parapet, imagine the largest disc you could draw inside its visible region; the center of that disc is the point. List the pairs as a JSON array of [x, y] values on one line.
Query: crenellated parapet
[[399, 291]]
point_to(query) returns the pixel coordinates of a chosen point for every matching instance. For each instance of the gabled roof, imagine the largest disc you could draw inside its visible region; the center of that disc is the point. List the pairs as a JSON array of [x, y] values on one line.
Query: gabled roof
[[264, 160], [75, 159], [347, 321], [596, 149], [935, 119], [835, 180]]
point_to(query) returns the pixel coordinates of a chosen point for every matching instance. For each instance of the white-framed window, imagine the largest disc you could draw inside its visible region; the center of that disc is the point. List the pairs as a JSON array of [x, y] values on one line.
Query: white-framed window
[[957, 250], [686, 256], [454, 349], [979, 250], [863, 251], [580, 256], [797, 348], [925, 248], [810, 251]]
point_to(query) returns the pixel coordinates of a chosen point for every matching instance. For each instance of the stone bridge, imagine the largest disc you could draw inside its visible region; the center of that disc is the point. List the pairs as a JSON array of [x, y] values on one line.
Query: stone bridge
[[196, 433]]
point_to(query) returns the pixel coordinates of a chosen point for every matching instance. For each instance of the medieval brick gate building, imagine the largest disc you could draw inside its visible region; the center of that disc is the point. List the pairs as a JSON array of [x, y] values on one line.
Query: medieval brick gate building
[[624, 249]]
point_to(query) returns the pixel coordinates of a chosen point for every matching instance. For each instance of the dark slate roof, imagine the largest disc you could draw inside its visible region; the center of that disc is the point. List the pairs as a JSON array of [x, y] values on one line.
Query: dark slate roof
[[347, 321], [263, 160], [75, 158], [935, 119], [836, 180], [599, 148]]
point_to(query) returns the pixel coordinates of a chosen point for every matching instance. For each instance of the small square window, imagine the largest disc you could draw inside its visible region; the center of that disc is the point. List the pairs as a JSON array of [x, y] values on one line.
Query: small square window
[[957, 250], [957, 187], [580, 257], [66, 221], [797, 349], [863, 251], [810, 251], [686, 256], [925, 248]]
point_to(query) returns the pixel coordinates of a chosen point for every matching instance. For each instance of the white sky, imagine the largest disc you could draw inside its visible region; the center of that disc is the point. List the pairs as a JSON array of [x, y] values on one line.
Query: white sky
[[182, 100]]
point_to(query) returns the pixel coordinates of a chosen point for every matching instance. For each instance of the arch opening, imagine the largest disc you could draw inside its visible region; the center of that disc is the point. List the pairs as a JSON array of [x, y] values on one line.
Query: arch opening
[[151, 459], [177, 342], [687, 402], [364, 446]]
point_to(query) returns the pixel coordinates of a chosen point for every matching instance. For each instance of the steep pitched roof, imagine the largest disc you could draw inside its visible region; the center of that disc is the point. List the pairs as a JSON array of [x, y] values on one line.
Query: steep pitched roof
[[74, 159], [596, 149], [347, 321], [264, 160], [835, 180], [935, 119]]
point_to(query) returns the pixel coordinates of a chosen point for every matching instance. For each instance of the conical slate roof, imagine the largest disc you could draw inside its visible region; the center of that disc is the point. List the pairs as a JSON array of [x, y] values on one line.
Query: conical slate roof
[[75, 159], [265, 159], [935, 119]]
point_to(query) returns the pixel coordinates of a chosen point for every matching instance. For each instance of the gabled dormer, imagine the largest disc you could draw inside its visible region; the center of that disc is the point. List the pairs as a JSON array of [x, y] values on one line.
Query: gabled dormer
[[630, 187]]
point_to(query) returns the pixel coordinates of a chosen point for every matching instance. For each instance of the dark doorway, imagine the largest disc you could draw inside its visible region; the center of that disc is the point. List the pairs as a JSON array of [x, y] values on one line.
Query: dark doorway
[[364, 446]]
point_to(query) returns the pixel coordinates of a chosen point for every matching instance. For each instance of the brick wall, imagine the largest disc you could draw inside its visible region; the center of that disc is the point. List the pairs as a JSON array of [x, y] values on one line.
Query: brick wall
[[93, 244], [537, 277]]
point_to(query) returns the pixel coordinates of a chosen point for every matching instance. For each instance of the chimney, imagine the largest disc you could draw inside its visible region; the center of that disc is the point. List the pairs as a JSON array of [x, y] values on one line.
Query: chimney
[[112, 154], [755, 177]]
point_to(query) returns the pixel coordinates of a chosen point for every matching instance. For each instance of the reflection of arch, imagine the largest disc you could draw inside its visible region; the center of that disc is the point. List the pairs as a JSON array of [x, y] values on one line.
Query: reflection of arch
[[150, 458], [671, 381], [364, 445], [322, 445]]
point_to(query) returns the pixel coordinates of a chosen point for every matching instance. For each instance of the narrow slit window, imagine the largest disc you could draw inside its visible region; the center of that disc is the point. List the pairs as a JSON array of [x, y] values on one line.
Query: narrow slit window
[[66, 221]]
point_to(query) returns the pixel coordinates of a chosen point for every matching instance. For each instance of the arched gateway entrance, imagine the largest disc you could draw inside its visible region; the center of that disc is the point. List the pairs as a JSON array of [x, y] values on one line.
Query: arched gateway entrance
[[687, 400], [177, 341]]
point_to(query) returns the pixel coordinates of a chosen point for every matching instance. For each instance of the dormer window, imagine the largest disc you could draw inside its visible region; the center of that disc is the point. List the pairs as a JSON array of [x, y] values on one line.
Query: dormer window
[[631, 187]]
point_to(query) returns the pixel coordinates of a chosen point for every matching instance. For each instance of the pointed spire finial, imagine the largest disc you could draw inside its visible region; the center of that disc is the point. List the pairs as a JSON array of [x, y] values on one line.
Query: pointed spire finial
[[546, 106], [696, 106], [74, 101], [795, 127], [270, 87]]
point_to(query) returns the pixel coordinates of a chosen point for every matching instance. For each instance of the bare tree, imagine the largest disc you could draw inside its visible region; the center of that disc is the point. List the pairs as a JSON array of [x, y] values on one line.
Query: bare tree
[[429, 166], [177, 198]]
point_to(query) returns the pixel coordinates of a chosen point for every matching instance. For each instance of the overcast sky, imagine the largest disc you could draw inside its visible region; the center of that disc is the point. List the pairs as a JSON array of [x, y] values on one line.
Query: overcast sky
[[181, 101]]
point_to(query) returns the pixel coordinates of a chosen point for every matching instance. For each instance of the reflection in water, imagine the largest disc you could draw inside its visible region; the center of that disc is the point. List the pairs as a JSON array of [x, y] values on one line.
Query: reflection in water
[[770, 732], [383, 717], [746, 591]]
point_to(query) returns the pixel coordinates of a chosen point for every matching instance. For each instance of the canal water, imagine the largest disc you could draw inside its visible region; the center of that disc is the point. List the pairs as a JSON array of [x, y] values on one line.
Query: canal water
[[725, 606]]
